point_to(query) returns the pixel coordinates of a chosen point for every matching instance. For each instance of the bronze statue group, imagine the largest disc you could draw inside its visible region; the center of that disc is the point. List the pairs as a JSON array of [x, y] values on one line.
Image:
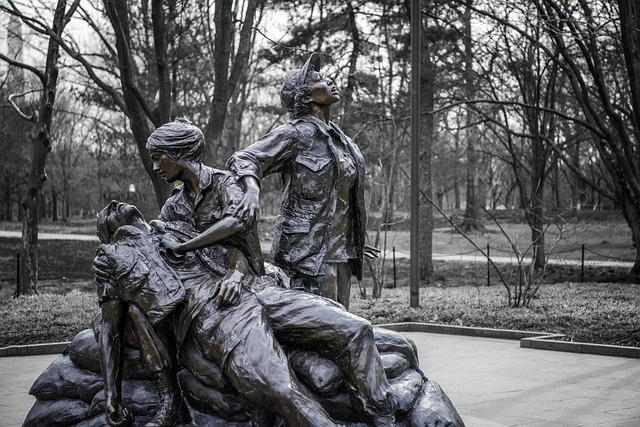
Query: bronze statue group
[[193, 288]]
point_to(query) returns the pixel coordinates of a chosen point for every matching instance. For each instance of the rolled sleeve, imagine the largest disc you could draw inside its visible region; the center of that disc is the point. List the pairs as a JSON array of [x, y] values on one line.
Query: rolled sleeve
[[272, 153], [105, 289]]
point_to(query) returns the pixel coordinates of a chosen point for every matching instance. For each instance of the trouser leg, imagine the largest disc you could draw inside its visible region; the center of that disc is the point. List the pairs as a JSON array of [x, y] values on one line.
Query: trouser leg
[[159, 354], [343, 283], [323, 326], [259, 370], [334, 284], [324, 285]]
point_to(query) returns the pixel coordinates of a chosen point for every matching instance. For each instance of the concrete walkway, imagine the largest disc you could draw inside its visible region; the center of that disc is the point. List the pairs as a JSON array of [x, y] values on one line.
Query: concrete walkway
[[492, 383], [51, 236], [266, 248]]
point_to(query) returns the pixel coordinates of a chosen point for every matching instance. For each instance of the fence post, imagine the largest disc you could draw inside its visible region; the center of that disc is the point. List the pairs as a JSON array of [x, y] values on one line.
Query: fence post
[[582, 267], [488, 266], [17, 274], [394, 267]]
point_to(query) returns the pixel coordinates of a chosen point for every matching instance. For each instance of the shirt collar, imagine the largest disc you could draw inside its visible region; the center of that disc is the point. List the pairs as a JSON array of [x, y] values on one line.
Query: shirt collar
[[125, 231], [325, 128], [206, 177]]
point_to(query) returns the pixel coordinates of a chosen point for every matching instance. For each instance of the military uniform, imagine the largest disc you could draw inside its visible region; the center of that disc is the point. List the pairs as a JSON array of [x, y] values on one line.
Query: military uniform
[[322, 218]]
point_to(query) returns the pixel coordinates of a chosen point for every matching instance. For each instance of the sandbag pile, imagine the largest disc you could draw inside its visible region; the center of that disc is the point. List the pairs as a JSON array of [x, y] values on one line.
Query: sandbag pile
[[70, 393]]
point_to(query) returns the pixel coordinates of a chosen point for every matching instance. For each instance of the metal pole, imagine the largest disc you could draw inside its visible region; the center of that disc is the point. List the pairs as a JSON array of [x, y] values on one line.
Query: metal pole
[[582, 268], [18, 274], [414, 274], [395, 283], [488, 266]]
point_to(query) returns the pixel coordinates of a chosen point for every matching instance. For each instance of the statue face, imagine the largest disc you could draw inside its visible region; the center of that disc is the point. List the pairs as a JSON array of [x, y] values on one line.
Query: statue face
[[170, 170], [119, 214], [323, 90]]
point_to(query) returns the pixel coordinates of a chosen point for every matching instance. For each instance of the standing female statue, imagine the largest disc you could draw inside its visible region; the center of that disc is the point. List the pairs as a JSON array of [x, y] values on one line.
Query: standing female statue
[[321, 230]]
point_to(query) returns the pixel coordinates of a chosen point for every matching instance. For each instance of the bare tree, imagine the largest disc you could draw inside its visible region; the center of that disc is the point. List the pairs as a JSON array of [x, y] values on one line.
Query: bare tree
[[229, 67], [159, 59], [612, 111], [41, 143]]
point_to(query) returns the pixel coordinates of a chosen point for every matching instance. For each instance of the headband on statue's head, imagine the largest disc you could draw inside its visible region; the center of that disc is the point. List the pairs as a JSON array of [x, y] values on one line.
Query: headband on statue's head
[[178, 139]]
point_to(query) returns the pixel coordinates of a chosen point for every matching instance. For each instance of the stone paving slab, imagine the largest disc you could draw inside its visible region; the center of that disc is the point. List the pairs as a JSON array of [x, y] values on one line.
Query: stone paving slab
[[17, 374], [492, 383], [497, 381]]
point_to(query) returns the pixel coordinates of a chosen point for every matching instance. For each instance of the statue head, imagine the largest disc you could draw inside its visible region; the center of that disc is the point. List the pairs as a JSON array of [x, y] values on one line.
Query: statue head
[[296, 89], [115, 215], [180, 140]]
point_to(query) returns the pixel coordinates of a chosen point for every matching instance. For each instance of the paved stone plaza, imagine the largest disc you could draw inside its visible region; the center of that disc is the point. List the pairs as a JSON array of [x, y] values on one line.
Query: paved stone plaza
[[492, 382]]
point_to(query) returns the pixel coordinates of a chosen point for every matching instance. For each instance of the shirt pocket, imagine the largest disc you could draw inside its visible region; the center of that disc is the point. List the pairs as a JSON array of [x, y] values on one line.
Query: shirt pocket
[[313, 178], [315, 163], [295, 227]]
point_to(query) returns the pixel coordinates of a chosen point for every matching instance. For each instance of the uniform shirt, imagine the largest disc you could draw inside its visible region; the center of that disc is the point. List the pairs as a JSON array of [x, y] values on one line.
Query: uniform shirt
[[309, 230], [219, 190], [142, 277], [340, 245]]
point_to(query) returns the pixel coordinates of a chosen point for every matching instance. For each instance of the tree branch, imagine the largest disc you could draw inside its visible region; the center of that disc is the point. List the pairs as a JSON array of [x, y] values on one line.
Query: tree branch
[[519, 104], [33, 117], [462, 233], [24, 66]]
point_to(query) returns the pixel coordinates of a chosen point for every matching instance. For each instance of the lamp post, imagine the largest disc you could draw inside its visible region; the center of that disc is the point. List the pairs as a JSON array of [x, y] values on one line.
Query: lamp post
[[414, 273]]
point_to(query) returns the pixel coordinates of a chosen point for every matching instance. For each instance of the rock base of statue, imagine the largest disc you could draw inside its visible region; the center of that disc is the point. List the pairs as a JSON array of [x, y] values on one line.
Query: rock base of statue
[[70, 391]]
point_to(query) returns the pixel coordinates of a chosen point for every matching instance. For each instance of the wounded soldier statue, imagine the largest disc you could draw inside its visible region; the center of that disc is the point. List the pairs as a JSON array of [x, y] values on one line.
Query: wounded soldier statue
[[195, 329], [173, 346]]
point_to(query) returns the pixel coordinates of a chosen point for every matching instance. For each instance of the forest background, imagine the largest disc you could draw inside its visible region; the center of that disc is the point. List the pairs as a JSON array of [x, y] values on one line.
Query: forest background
[[530, 110]]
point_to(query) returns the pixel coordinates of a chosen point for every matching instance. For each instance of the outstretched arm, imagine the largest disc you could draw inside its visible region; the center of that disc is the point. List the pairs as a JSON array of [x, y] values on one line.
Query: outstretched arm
[[272, 153], [219, 231], [110, 346], [110, 341], [227, 195]]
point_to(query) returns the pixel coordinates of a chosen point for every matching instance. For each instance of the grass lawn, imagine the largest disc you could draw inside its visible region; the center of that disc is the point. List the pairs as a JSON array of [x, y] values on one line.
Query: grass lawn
[[603, 240], [603, 313], [602, 310]]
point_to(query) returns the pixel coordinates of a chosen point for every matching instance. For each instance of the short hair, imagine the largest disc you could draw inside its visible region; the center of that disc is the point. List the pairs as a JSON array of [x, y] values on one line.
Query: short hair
[[179, 140], [293, 95]]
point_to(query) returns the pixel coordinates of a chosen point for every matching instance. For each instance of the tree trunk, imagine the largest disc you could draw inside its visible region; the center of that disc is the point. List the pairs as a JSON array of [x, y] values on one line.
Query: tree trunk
[[54, 205], [41, 147], [536, 223], [535, 212], [227, 74], [472, 219], [392, 174], [29, 267], [139, 117], [8, 211], [456, 177], [67, 208]]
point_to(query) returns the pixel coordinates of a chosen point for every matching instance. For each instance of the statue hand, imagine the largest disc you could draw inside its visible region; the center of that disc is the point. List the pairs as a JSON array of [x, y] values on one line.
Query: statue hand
[[158, 225], [228, 292], [102, 271], [118, 416], [171, 246], [248, 208]]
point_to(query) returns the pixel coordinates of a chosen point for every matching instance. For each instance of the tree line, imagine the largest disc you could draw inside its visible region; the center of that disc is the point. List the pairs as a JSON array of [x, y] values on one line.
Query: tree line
[[525, 105]]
